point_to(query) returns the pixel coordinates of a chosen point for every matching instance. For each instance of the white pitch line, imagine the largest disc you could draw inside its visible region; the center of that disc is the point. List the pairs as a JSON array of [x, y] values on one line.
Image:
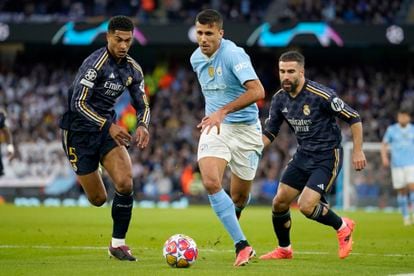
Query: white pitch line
[[11, 246]]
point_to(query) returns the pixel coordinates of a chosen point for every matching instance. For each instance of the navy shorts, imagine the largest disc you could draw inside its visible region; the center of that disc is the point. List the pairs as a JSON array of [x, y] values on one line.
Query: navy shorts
[[86, 149], [317, 171]]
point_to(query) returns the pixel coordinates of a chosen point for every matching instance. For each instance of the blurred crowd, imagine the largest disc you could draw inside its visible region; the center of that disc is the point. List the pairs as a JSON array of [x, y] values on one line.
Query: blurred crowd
[[36, 95], [167, 11]]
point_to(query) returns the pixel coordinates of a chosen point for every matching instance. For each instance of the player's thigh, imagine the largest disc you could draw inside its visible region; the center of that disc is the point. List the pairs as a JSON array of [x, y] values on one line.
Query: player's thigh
[[246, 145], [82, 150], [94, 187], [398, 179], [284, 197], [118, 165], [212, 170]]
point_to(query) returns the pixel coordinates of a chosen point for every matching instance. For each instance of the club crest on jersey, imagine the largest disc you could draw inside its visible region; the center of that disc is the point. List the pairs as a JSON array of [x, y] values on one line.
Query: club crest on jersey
[[91, 74], [306, 110], [219, 71], [211, 71], [129, 81]]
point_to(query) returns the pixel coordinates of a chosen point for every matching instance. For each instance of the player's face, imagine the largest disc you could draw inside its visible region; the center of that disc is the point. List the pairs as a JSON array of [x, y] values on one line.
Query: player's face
[[403, 119], [208, 38], [119, 43], [290, 74]]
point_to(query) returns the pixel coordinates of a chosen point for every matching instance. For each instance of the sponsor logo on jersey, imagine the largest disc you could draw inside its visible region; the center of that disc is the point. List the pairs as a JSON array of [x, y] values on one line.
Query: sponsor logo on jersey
[[306, 110], [113, 89], [241, 65]]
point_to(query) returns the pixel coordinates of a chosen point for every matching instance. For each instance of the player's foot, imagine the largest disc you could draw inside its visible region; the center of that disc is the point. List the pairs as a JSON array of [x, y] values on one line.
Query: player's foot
[[122, 253], [244, 252], [278, 253], [407, 221], [345, 238]]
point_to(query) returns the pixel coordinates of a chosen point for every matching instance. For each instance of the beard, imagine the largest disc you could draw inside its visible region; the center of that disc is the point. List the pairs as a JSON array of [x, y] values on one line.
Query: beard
[[290, 86]]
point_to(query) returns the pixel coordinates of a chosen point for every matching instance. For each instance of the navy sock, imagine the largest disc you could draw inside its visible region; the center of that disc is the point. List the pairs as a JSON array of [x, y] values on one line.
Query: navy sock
[[121, 214], [282, 232], [330, 218]]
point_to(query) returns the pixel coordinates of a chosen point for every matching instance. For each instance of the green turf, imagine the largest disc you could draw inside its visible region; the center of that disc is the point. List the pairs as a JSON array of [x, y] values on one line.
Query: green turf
[[72, 241]]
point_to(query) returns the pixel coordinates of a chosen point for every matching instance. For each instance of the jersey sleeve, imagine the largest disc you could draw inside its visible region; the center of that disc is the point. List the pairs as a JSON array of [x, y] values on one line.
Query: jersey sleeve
[[83, 91], [274, 120], [138, 96], [241, 65], [340, 109], [387, 136]]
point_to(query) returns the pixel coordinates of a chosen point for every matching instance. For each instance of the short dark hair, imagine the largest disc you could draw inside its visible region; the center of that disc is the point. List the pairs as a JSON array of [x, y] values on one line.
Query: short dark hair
[[209, 17], [405, 110], [120, 23], [293, 56]]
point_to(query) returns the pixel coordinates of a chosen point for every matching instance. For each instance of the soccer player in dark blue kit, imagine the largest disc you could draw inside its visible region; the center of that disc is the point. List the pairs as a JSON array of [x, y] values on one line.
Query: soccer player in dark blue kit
[[310, 109], [90, 135]]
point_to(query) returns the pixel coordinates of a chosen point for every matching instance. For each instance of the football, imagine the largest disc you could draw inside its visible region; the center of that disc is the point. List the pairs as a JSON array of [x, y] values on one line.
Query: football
[[180, 251]]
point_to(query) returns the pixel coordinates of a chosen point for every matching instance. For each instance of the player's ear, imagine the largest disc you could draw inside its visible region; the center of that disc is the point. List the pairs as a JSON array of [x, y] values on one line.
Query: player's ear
[[221, 32]]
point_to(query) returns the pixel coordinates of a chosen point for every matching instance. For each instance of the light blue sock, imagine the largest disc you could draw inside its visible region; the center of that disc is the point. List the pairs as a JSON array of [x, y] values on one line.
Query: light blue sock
[[224, 208], [411, 197], [403, 204]]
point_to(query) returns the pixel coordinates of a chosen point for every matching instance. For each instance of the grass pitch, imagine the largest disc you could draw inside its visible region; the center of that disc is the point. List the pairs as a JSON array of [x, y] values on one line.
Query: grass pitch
[[73, 241]]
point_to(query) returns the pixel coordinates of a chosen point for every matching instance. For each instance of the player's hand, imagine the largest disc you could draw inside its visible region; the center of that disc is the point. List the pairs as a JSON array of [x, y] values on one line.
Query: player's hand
[[142, 137], [213, 120], [10, 152], [120, 135], [358, 160]]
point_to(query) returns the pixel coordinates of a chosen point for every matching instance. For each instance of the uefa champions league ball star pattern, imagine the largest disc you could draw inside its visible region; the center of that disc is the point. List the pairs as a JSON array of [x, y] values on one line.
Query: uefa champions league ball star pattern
[[180, 251]]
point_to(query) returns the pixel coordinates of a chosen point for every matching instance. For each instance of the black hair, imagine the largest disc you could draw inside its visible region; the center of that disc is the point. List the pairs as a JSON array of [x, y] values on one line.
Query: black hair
[[120, 23], [405, 110], [209, 17], [293, 56]]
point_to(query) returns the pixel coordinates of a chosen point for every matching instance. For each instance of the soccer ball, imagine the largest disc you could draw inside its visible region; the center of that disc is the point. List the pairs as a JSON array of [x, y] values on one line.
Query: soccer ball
[[180, 251]]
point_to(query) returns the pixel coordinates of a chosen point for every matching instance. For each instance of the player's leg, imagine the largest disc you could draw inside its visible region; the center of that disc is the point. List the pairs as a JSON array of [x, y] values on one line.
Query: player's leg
[[313, 205], [400, 185], [118, 165], [240, 193], [281, 220], [409, 176], [84, 159]]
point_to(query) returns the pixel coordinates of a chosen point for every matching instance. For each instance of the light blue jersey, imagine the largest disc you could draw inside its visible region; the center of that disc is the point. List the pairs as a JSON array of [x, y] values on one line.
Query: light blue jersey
[[222, 77], [401, 143]]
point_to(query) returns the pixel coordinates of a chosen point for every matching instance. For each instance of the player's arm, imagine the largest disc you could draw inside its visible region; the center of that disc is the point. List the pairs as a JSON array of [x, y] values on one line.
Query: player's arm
[[83, 88], [385, 149], [273, 122], [141, 105], [343, 111]]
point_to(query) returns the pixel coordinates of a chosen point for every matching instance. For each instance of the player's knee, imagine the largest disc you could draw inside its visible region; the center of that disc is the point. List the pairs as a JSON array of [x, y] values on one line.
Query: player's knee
[[212, 186], [97, 200], [279, 204], [306, 209], [124, 185]]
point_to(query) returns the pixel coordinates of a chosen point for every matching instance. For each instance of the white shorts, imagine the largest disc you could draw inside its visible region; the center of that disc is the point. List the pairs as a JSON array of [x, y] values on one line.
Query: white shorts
[[402, 176], [239, 144]]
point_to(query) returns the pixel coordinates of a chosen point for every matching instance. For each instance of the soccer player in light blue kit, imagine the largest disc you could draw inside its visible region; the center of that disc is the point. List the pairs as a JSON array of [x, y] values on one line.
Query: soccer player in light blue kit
[[399, 137], [230, 130]]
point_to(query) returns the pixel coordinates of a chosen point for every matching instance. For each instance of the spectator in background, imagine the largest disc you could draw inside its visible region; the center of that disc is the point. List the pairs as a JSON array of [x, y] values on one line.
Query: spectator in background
[[8, 139], [399, 140]]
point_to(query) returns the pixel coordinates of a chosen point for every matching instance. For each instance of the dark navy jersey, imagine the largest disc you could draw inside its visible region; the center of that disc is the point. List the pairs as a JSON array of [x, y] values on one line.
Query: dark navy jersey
[[98, 83], [311, 115]]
